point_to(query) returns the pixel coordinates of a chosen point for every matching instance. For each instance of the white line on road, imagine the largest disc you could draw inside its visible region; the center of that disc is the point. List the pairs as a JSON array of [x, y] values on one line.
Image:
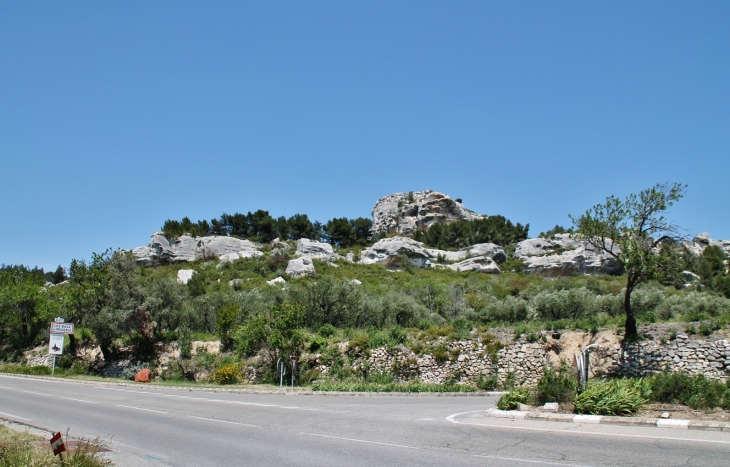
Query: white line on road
[[140, 408], [224, 421], [5, 387], [15, 416], [571, 431], [39, 393], [529, 461], [361, 441], [78, 400]]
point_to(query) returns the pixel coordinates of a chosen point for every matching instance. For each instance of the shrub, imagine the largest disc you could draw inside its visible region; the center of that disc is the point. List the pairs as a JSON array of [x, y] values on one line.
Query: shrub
[[358, 346], [557, 386], [488, 383], [440, 353], [327, 330], [613, 397], [564, 304], [509, 310], [227, 374], [696, 391], [510, 400]]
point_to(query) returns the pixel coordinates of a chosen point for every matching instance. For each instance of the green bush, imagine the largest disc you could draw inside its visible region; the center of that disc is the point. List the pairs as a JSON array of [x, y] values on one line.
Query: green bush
[[227, 374], [613, 397], [510, 400], [557, 386], [510, 310], [696, 391], [488, 383], [327, 330], [564, 304]]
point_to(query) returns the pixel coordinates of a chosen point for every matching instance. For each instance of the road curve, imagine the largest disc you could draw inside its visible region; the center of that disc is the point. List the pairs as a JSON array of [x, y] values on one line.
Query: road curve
[[150, 425]]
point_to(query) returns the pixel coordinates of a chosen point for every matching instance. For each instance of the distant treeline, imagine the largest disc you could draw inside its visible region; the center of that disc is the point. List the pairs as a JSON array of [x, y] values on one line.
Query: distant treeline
[[493, 229], [260, 226]]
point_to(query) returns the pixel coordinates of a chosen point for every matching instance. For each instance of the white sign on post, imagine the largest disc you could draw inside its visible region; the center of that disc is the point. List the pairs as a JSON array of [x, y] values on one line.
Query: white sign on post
[[62, 328], [55, 346]]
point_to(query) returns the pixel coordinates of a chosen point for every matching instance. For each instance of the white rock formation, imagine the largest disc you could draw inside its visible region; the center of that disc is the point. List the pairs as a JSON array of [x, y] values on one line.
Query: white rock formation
[[162, 249], [564, 255], [315, 250], [390, 252], [355, 282], [299, 267], [184, 275], [406, 212], [477, 264], [703, 240], [278, 280], [230, 257]]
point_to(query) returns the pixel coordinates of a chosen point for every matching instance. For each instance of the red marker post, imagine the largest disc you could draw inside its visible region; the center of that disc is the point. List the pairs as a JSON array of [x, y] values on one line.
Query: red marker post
[[57, 445]]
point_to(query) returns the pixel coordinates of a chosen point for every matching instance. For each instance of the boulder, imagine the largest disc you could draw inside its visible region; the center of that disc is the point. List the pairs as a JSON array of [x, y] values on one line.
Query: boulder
[[404, 213], [315, 250], [278, 280], [162, 249], [488, 250], [391, 251], [184, 275], [299, 267], [230, 257], [143, 376], [476, 264], [564, 255]]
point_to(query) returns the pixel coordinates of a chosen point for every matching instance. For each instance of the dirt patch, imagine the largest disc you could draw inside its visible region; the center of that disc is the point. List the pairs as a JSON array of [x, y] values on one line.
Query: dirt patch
[[682, 412]]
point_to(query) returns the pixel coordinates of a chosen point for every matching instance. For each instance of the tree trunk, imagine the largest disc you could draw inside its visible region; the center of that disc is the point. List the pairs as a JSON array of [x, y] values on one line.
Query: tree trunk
[[630, 330], [72, 345]]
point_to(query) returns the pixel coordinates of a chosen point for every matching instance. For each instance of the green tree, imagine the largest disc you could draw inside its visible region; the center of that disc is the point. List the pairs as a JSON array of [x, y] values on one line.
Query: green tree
[[632, 232]]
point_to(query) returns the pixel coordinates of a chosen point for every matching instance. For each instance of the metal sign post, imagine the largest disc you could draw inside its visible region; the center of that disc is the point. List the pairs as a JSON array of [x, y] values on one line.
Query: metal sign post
[[59, 329], [293, 368], [281, 368]]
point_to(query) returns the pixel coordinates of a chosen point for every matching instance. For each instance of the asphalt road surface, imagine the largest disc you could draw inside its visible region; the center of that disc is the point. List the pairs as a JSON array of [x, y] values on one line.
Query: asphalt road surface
[[153, 426]]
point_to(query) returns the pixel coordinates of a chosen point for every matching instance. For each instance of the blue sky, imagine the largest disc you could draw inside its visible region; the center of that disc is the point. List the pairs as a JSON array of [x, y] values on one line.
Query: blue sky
[[115, 116]]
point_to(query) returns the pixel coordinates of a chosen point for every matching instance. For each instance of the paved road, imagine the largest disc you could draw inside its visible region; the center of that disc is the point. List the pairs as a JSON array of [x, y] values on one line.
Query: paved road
[[152, 426]]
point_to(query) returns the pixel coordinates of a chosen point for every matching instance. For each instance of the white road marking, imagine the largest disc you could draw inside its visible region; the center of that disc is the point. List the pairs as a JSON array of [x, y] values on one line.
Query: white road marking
[[3, 387], [529, 461], [78, 400], [140, 408], [224, 421], [362, 441], [15, 416], [571, 431], [39, 393], [425, 419]]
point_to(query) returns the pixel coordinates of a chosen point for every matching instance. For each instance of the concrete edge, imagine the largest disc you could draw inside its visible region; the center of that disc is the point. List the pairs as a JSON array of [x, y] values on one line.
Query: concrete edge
[[282, 392], [611, 420]]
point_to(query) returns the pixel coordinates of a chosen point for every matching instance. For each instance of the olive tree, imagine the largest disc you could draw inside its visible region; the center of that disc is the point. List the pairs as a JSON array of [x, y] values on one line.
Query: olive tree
[[633, 231]]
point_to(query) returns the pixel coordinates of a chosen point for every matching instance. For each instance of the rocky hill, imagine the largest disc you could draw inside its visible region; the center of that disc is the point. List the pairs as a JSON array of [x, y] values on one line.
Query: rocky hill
[[561, 255]]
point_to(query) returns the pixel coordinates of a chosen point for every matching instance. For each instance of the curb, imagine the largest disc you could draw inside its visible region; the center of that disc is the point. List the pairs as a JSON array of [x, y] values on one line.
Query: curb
[[610, 420], [281, 392]]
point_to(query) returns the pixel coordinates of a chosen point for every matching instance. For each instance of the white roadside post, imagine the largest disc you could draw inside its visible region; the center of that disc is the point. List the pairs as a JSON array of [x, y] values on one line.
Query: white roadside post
[[59, 329]]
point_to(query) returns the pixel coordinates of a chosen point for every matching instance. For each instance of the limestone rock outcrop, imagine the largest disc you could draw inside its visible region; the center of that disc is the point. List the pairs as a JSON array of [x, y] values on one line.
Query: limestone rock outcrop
[[299, 267], [315, 250], [162, 249], [476, 264], [390, 252], [277, 280], [703, 240], [404, 213], [184, 275], [564, 255]]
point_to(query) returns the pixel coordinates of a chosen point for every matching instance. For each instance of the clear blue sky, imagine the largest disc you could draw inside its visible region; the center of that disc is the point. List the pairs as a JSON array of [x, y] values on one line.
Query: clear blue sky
[[115, 116]]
